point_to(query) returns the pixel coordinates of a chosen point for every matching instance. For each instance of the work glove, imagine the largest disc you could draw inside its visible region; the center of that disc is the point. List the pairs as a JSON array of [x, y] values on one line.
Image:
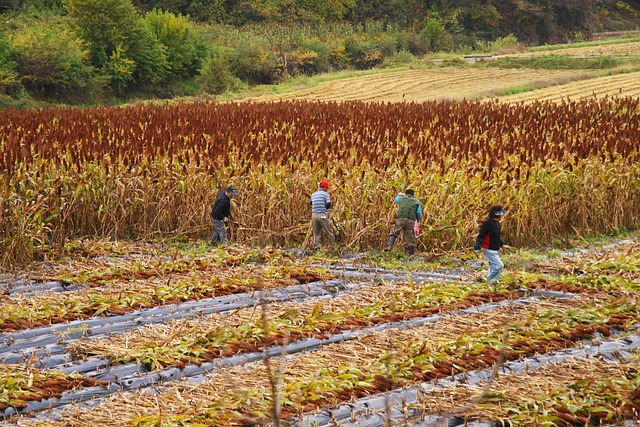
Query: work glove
[[226, 220], [477, 251]]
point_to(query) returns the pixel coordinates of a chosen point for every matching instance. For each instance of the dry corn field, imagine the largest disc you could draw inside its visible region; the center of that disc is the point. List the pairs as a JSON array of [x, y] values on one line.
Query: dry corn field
[[115, 311]]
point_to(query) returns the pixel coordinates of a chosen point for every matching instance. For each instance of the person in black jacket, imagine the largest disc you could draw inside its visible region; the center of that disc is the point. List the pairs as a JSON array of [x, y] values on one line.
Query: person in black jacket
[[490, 241], [220, 213]]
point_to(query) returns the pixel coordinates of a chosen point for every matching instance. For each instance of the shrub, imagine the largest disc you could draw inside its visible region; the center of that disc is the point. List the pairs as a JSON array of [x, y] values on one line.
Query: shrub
[[54, 62], [121, 42], [362, 55], [388, 44], [174, 33], [10, 81], [402, 57], [254, 63], [338, 57], [215, 76], [308, 47], [303, 62], [435, 36], [412, 43], [507, 44], [120, 69]]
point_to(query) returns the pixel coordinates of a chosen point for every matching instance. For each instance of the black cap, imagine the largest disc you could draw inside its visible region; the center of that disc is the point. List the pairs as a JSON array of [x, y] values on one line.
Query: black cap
[[232, 190], [496, 211], [409, 191]]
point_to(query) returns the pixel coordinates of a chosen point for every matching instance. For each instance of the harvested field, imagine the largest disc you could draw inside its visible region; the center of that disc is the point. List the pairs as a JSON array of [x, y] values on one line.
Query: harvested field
[[448, 83], [631, 48], [378, 330], [619, 85]]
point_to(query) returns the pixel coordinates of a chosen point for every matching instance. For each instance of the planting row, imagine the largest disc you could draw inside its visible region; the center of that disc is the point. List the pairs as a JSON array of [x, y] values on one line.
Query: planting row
[[373, 363], [341, 312], [587, 386]]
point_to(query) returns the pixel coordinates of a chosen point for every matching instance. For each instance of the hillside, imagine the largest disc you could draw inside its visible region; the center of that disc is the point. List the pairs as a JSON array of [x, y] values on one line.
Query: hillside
[[487, 83], [87, 52]]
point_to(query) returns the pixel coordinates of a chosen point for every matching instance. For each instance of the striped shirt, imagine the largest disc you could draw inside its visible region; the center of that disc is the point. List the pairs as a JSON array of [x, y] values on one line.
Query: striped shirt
[[319, 202]]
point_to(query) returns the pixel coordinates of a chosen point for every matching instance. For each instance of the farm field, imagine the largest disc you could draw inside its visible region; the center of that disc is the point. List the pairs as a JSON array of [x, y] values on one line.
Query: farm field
[[413, 343], [448, 83], [599, 87], [115, 311], [452, 83], [630, 48]]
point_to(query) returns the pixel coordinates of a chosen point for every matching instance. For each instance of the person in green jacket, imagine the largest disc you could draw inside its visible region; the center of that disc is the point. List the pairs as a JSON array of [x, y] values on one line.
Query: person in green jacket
[[409, 211]]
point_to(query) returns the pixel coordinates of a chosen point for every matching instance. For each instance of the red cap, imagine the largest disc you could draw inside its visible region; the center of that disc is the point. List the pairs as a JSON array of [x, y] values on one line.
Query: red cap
[[324, 184]]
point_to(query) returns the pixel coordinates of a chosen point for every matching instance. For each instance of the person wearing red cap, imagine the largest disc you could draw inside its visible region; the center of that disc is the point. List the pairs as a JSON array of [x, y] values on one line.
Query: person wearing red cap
[[320, 202]]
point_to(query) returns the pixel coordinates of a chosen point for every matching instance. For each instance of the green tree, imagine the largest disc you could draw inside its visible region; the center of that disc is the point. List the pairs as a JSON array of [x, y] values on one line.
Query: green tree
[[118, 35], [254, 62], [175, 34], [10, 81], [52, 60], [436, 36], [215, 76]]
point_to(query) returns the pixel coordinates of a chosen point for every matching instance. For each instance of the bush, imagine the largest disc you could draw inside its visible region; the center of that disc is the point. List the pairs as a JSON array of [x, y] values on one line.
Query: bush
[[369, 60], [215, 76], [254, 63], [505, 45], [302, 62], [311, 57], [402, 57], [54, 62], [412, 43], [311, 45], [121, 42], [362, 55], [388, 45], [174, 33], [10, 81], [435, 37]]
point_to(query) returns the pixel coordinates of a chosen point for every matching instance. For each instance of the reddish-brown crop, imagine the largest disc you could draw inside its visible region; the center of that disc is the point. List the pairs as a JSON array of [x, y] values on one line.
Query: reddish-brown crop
[[149, 169]]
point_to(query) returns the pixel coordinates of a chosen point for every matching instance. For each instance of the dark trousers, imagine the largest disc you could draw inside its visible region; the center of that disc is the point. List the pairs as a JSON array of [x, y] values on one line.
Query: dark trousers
[[219, 232]]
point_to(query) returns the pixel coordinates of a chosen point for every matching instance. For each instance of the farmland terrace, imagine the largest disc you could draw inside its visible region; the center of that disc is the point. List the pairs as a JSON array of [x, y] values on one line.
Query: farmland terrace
[[517, 81], [179, 333]]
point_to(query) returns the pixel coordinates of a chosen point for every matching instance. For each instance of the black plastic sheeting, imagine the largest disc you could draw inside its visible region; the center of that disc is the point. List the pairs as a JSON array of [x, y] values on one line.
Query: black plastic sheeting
[[135, 376], [23, 287], [47, 341], [395, 406], [378, 274]]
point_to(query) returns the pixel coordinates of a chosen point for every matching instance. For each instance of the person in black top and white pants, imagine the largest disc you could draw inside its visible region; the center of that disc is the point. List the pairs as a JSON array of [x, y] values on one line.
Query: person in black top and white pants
[[490, 241]]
